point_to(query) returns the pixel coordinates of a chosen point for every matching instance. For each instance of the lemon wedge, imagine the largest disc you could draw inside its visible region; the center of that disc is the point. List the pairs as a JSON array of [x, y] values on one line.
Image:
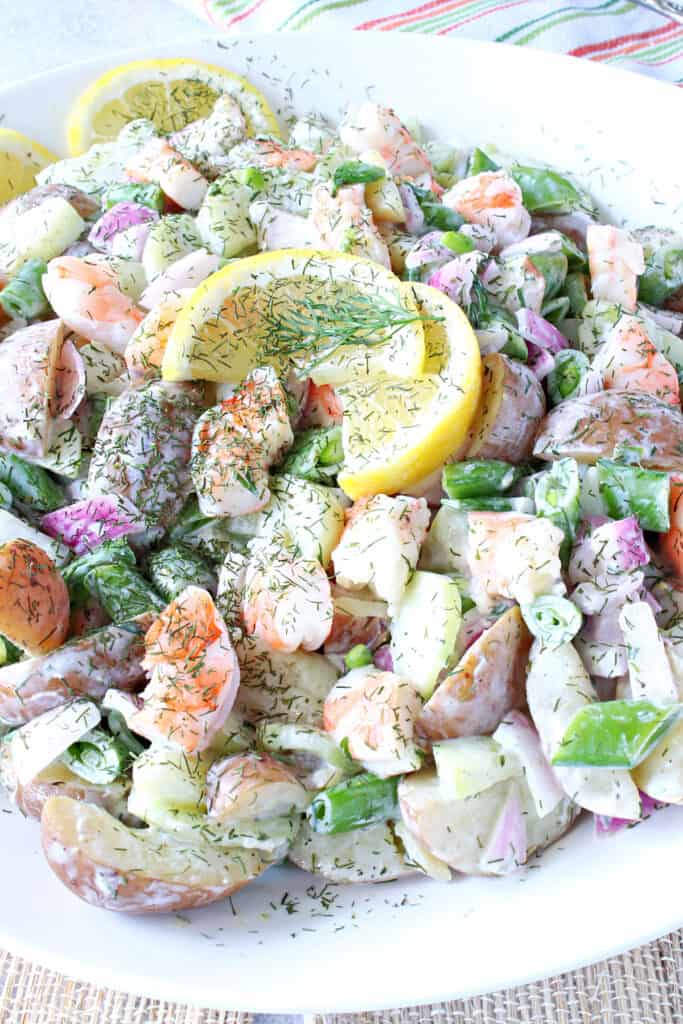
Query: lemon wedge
[[20, 160], [171, 93], [395, 432], [329, 316]]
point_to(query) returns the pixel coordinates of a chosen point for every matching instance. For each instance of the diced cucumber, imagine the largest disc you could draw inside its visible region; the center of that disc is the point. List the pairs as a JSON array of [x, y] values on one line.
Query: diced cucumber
[[39, 233], [445, 546], [223, 219], [470, 764], [424, 630], [170, 238], [131, 275], [166, 782]]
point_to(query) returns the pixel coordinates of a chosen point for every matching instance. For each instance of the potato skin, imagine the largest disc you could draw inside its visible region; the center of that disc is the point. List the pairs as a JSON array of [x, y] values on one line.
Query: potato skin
[[57, 780], [488, 681], [510, 410], [589, 428], [34, 600], [139, 871]]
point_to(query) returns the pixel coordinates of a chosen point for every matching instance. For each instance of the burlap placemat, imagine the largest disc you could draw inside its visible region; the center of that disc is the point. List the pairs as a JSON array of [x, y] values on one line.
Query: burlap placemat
[[641, 987]]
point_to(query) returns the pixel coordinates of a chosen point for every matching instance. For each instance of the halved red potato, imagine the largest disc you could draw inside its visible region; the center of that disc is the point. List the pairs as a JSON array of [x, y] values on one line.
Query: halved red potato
[[34, 600], [108, 658], [487, 682], [369, 854], [58, 780], [142, 871], [459, 832], [589, 428], [511, 407]]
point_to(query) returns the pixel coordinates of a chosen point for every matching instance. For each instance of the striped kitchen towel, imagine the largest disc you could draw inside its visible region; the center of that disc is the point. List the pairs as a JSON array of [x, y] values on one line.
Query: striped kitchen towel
[[613, 31]]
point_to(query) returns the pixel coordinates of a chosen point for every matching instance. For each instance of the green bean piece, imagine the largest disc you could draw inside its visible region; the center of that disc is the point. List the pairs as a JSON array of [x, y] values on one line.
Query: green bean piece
[[436, 215], [358, 656], [118, 728], [5, 496], [492, 503], [515, 347], [564, 380], [576, 256], [479, 478], [134, 192], [556, 309], [577, 292], [30, 485], [98, 757], [23, 295], [615, 733], [479, 162], [629, 490], [663, 275], [546, 191], [362, 800], [457, 242], [552, 620], [173, 569], [557, 493], [355, 172], [316, 455], [253, 178], [553, 266], [9, 653], [109, 575]]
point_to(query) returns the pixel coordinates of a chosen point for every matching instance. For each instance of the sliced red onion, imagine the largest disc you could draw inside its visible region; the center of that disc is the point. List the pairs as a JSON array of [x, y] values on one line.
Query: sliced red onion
[[415, 219], [455, 278], [69, 381], [120, 217], [539, 331], [545, 241], [429, 249], [492, 340], [615, 547], [490, 272], [87, 524], [667, 319], [608, 826], [541, 362], [518, 737], [383, 659], [652, 601], [507, 847], [595, 597], [130, 244]]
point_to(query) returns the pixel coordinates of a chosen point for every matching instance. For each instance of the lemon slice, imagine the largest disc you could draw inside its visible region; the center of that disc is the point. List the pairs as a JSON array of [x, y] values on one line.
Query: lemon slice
[[20, 160], [395, 432], [328, 315], [171, 93]]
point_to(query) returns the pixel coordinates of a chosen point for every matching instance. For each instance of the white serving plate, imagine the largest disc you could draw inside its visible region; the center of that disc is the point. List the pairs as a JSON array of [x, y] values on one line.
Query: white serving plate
[[288, 942]]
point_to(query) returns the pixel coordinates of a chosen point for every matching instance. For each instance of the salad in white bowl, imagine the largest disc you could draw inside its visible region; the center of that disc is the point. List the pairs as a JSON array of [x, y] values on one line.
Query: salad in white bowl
[[340, 474]]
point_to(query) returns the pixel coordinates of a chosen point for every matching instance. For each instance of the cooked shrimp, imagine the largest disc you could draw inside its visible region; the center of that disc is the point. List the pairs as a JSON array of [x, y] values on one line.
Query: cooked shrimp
[[207, 142], [236, 442], [615, 261], [87, 298], [629, 360], [381, 543], [514, 556], [371, 126], [374, 712], [251, 787], [344, 222], [287, 600], [269, 153], [493, 200], [178, 178], [145, 349], [322, 407], [194, 674]]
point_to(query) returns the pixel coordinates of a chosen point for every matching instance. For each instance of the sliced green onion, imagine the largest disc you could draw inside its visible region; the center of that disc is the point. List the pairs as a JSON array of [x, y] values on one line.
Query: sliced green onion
[[628, 490], [553, 266], [565, 378], [546, 191], [98, 757], [557, 494], [479, 478], [316, 455], [436, 215], [555, 310], [552, 620], [9, 653], [173, 569], [615, 734], [30, 485], [5, 496], [118, 728], [23, 296], [577, 292], [352, 804], [492, 503], [479, 162]]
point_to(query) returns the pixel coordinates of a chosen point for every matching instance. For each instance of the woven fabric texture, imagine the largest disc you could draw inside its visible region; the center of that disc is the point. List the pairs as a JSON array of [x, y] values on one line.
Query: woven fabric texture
[[641, 987]]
